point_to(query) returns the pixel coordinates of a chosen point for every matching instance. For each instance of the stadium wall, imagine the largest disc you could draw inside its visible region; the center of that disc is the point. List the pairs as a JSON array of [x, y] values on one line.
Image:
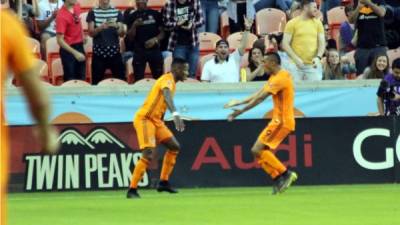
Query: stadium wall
[[215, 154]]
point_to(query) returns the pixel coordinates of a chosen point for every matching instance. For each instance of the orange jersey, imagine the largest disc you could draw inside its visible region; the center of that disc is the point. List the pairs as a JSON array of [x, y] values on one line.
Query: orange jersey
[[281, 87], [15, 55], [154, 106]]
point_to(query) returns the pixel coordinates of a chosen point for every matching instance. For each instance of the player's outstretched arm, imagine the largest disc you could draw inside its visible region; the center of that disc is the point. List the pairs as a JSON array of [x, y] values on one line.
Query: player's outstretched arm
[[179, 125], [38, 100], [261, 96], [235, 102]]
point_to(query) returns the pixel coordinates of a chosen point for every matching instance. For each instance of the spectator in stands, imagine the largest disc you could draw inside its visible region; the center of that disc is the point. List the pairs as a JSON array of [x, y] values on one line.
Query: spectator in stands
[[389, 92], [347, 32], [275, 40], [184, 18], [210, 10], [335, 68], [255, 70], [46, 20], [304, 41], [225, 67], [284, 5], [105, 26], [26, 12], [237, 11], [145, 33], [378, 69], [70, 38], [371, 40]]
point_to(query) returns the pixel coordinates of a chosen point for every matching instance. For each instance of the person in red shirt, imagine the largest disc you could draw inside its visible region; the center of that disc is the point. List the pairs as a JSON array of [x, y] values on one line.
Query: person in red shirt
[[70, 38]]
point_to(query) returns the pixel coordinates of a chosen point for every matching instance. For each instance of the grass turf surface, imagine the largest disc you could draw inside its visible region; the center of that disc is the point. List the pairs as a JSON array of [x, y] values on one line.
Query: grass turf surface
[[301, 205]]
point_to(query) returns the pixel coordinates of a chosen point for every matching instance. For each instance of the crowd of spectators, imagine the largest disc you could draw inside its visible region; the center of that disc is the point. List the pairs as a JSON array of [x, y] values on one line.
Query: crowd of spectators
[[305, 44]]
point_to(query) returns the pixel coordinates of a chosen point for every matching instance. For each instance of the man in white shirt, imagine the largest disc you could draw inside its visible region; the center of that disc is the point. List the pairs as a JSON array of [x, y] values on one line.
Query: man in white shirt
[[225, 67], [46, 20]]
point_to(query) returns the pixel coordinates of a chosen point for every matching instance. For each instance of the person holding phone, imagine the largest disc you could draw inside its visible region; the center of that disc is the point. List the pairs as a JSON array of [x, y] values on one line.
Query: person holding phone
[[105, 27]]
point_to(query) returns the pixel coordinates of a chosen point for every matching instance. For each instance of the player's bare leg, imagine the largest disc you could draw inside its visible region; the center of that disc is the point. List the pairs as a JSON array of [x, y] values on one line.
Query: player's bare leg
[[169, 161], [138, 172], [282, 177]]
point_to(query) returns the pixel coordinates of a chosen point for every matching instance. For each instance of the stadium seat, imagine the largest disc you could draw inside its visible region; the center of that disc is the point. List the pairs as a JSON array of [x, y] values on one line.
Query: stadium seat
[[224, 24], [156, 4], [129, 71], [52, 52], [270, 20], [57, 72], [88, 46], [208, 42], [235, 39], [75, 83], [112, 82], [86, 5], [336, 16], [167, 64], [393, 54], [35, 44], [145, 81], [46, 84], [85, 24], [122, 4]]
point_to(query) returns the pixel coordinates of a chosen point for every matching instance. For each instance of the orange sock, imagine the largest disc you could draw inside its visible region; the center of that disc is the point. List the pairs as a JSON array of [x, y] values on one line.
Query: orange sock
[[268, 169], [270, 159], [168, 164], [138, 172]]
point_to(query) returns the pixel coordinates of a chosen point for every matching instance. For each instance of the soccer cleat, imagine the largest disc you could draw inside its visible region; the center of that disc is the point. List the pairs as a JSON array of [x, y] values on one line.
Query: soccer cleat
[[132, 193], [165, 186], [287, 179], [275, 185]]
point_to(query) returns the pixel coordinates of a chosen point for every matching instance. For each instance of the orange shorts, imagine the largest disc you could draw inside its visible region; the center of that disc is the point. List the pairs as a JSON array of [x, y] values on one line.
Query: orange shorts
[[151, 132], [273, 135]]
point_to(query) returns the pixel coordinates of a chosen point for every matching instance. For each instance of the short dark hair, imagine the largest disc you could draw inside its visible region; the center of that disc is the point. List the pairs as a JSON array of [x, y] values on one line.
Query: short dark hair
[[396, 64], [222, 41], [274, 57], [180, 61], [306, 2]]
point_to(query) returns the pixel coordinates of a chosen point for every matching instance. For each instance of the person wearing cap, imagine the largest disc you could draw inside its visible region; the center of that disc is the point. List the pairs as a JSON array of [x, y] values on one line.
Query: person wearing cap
[[225, 67]]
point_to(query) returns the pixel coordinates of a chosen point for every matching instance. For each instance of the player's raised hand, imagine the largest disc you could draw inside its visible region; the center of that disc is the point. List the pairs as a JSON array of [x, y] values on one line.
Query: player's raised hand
[[232, 103], [234, 114], [179, 124]]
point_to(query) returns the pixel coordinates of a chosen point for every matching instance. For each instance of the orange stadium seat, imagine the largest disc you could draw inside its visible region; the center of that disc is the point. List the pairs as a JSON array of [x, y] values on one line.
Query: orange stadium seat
[[202, 61], [122, 4], [112, 82], [75, 83], [86, 5], [336, 16], [88, 46], [191, 80], [208, 42], [35, 46], [129, 71], [393, 54], [224, 24], [270, 20], [57, 72], [235, 39], [156, 4]]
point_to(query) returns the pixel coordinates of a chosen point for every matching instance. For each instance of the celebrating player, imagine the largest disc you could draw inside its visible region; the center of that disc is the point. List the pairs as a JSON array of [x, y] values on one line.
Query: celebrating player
[[280, 86], [16, 56], [151, 129]]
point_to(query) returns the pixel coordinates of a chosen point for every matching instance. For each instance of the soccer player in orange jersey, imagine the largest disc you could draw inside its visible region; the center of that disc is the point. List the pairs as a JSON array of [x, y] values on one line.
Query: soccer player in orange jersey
[[280, 86], [16, 56], [151, 129]]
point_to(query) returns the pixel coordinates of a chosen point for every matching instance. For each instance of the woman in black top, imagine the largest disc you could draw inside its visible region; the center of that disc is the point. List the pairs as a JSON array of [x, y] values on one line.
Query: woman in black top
[[255, 69]]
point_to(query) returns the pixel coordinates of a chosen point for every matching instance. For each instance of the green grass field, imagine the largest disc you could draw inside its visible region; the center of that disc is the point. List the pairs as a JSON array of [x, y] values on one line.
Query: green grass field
[[302, 205]]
